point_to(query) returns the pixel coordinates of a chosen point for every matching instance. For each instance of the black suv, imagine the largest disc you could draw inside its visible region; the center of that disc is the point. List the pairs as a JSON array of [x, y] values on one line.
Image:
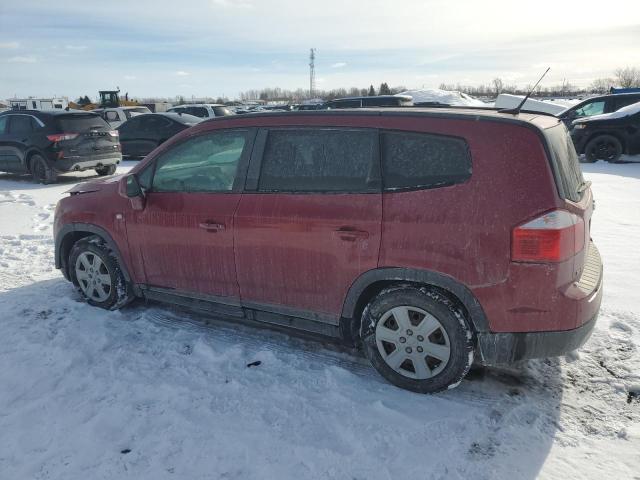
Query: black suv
[[608, 136], [47, 143], [598, 105]]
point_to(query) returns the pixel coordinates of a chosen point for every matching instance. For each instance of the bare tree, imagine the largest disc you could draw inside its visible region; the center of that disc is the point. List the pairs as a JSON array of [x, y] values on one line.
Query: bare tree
[[601, 85], [498, 85], [628, 77]]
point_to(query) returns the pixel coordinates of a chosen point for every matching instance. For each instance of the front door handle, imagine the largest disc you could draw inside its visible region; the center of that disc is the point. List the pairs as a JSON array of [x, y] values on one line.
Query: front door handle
[[350, 234], [210, 226]]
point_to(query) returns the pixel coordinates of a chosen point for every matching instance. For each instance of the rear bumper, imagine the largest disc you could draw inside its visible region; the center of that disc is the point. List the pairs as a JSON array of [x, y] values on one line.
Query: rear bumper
[[586, 296], [75, 164], [501, 348]]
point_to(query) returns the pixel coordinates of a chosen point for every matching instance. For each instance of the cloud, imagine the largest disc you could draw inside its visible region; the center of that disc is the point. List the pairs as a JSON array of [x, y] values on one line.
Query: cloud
[[130, 77], [182, 73], [76, 48], [9, 44], [22, 59], [339, 65]]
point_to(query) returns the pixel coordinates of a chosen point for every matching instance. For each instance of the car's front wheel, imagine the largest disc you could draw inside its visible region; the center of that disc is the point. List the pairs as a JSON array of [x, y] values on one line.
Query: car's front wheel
[[603, 147], [417, 339], [97, 274], [106, 170]]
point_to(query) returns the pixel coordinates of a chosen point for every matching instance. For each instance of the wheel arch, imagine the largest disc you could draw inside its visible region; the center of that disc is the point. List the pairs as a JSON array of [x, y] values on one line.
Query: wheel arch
[[71, 233], [372, 282]]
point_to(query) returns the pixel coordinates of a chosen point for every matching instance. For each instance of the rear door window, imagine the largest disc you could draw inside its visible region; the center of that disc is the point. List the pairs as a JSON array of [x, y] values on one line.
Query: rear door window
[[618, 103], [198, 112], [20, 124], [331, 160], [420, 160]]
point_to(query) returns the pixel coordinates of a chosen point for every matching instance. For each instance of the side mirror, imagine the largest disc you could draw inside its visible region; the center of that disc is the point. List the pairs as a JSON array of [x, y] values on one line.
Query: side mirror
[[130, 188]]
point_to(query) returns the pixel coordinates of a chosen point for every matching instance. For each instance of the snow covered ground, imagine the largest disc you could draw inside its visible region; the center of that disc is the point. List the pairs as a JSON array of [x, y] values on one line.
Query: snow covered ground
[[153, 392]]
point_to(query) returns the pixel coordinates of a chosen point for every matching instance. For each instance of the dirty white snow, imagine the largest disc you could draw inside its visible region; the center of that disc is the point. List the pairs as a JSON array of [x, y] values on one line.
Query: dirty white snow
[[80, 386]]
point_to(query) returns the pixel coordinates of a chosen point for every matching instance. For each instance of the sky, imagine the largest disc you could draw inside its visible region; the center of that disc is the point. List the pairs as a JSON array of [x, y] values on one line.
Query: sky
[[166, 48]]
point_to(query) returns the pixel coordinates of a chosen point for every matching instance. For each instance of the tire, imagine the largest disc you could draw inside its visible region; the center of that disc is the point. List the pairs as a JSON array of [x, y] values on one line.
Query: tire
[[437, 336], [94, 270], [603, 147], [40, 171], [107, 170]]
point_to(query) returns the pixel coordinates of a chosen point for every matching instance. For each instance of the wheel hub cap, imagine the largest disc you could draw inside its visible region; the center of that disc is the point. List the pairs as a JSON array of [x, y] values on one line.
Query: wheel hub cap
[[413, 342], [93, 276]]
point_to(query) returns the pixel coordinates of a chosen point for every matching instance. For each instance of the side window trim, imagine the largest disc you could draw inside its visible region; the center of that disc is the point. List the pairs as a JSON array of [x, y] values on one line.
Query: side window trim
[[257, 156], [243, 162]]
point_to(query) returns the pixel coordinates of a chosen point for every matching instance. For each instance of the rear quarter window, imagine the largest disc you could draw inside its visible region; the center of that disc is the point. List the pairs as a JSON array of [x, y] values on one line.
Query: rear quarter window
[[567, 172], [421, 160]]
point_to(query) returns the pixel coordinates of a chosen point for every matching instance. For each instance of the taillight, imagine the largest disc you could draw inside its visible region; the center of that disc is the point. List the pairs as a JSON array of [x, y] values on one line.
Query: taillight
[[59, 137], [114, 133], [552, 237]]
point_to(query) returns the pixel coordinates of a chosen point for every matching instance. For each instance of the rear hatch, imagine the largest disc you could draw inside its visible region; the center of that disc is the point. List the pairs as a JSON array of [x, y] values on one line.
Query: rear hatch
[[572, 188], [85, 135]]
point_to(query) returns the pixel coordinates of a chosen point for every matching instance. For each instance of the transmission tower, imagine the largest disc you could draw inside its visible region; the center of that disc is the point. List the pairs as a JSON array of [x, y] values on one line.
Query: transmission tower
[[312, 72]]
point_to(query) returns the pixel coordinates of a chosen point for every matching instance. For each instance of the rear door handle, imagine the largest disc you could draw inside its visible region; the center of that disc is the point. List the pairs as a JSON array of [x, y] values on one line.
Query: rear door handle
[[212, 226], [350, 234]]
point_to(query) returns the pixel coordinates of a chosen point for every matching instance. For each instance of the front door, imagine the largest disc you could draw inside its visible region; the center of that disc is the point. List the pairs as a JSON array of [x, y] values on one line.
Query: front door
[[184, 234], [312, 225]]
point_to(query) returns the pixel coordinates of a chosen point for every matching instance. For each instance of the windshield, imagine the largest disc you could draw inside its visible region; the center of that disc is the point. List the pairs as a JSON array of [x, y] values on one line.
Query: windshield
[[567, 172]]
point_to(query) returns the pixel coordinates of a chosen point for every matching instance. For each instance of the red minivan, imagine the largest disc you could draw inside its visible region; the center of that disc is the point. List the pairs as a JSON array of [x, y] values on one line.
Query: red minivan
[[432, 238]]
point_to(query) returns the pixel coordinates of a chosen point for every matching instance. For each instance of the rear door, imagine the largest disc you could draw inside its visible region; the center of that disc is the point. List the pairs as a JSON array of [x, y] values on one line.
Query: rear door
[[184, 234], [309, 222]]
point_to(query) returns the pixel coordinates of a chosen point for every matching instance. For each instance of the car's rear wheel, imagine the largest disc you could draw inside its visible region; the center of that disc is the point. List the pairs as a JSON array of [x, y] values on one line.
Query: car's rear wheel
[[417, 339], [106, 170], [40, 171], [603, 147], [96, 273]]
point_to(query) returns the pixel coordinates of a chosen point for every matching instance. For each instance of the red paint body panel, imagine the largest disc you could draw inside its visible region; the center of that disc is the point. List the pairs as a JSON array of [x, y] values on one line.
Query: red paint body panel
[[305, 250], [283, 249], [177, 250]]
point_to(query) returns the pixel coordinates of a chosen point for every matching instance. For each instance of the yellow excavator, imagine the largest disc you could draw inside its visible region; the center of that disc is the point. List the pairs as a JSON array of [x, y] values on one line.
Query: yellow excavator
[[108, 99]]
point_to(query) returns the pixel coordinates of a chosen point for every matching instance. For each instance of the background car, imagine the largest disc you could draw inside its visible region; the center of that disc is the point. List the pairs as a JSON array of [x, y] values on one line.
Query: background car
[[118, 115], [203, 110], [45, 143], [608, 136], [597, 106], [143, 133]]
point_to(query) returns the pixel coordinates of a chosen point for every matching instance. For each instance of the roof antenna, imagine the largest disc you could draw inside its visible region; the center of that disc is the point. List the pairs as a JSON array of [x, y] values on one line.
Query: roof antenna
[[516, 110]]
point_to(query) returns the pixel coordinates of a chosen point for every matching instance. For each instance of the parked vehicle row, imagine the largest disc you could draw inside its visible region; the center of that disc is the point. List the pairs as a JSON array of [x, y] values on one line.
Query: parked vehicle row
[[390, 231]]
